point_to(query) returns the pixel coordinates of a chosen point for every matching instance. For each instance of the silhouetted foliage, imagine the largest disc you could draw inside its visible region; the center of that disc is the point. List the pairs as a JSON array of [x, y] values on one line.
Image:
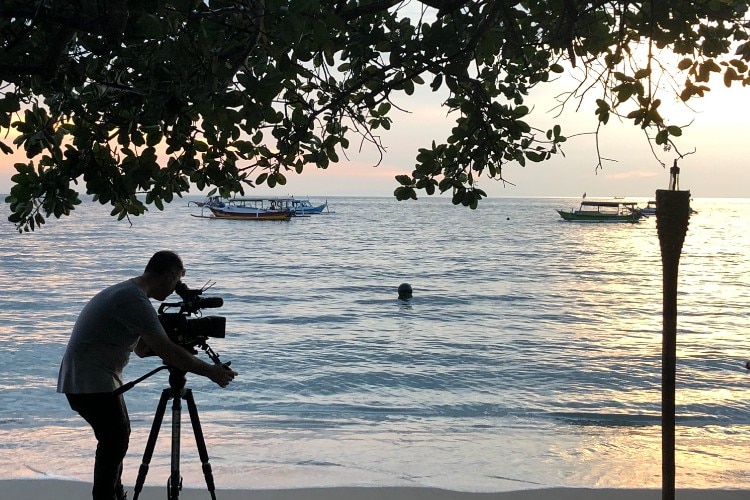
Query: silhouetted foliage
[[129, 97]]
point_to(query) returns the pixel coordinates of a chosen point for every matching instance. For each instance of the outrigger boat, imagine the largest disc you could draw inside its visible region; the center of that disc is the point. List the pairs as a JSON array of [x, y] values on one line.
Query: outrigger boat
[[246, 208], [211, 200], [650, 208], [603, 211], [238, 207], [304, 207]]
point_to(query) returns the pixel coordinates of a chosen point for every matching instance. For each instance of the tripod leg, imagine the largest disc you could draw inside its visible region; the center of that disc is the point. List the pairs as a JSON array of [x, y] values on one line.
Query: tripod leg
[[200, 442], [175, 481], [151, 443]]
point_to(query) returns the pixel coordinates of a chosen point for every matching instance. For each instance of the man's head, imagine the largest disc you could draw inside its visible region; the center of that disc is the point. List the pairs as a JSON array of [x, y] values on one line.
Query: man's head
[[164, 270], [404, 291]]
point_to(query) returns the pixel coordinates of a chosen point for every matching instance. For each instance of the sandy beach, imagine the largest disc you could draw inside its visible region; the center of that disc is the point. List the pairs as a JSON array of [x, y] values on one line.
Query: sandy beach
[[53, 489]]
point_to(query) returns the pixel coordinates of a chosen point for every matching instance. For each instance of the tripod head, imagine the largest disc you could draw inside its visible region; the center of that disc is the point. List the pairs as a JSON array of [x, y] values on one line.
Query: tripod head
[[176, 376]]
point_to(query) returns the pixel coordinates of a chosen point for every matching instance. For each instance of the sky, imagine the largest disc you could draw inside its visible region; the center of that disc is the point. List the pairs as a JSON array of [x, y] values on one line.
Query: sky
[[718, 135]]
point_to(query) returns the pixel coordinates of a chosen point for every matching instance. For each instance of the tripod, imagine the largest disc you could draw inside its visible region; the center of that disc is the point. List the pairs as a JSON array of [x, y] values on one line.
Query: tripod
[[176, 392]]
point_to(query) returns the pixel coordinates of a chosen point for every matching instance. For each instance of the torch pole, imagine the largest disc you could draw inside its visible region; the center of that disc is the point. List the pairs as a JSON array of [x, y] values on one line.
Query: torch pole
[[672, 213]]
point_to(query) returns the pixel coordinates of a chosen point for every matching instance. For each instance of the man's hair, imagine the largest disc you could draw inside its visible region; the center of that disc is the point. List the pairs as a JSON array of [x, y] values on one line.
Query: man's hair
[[163, 262]]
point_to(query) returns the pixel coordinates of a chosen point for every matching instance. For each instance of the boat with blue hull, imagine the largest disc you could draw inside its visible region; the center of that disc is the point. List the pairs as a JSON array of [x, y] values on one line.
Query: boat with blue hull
[[305, 207]]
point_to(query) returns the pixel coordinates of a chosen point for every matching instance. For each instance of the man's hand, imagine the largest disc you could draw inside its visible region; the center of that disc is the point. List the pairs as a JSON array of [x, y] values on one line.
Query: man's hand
[[221, 374], [176, 356]]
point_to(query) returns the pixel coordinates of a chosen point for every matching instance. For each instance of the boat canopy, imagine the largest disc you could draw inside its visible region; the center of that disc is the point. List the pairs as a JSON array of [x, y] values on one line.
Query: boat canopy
[[607, 203], [263, 198]]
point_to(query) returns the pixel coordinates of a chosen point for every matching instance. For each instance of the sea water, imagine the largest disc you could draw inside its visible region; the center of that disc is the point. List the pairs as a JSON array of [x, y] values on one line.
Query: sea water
[[529, 356]]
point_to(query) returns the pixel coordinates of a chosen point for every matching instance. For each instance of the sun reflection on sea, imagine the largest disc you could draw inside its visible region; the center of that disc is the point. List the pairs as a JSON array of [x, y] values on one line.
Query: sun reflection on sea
[[529, 356]]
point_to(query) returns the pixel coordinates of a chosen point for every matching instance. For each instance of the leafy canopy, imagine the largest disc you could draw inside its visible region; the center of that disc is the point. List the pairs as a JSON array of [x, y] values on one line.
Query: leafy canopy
[[127, 97]]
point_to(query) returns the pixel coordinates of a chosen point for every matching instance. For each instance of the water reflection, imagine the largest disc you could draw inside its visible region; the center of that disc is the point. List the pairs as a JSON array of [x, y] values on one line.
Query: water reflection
[[530, 354]]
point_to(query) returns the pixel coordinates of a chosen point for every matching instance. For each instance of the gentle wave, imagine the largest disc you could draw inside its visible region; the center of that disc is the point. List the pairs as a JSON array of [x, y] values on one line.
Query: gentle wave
[[530, 353]]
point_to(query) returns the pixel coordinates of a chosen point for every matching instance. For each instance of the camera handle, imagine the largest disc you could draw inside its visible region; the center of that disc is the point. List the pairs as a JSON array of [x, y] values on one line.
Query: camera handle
[[212, 354], [203, 345], [130, 385]]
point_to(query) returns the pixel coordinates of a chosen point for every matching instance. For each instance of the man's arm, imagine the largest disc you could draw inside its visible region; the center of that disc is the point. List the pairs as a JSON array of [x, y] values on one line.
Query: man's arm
[[176, 356], [142, 349]]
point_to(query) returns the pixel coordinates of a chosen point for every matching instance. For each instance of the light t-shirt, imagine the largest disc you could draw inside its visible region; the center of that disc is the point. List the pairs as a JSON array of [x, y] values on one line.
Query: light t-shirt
[[104, 335]]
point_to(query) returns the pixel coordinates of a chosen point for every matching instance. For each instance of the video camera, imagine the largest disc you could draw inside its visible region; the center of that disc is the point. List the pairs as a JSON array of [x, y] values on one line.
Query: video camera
[[190, 332]]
